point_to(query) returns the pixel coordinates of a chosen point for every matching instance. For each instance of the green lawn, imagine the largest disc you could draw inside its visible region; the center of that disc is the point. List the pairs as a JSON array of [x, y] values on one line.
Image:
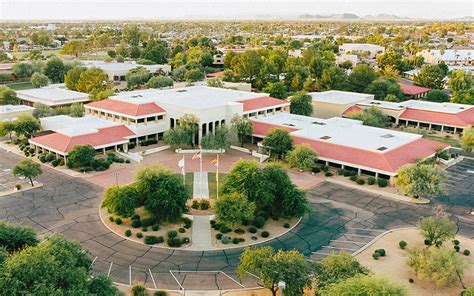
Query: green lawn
[[20, 85], [211, 178], [450, 141], [189, 179]]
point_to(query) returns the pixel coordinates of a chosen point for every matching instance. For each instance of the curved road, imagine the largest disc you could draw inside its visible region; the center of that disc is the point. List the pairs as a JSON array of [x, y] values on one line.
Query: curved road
[[69, 206]]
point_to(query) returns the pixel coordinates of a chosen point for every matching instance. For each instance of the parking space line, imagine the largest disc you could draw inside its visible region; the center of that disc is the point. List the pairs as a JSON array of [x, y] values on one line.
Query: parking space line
[[152, 278], [337, 248], [321, 253], [360, 235], [344, 241], [374, 230], [110, 269]]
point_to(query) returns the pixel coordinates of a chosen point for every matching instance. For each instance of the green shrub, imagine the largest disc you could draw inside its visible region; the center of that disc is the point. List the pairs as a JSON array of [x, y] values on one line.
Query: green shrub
[[181, 230], [254, 237], [155, 227], [118, 221], [174, 242], [139, 290], [286, 225], [17, 186], [172, 233], [213, 222], [111, 218], [239, 231], [185, 240], [50, 157], [428, 242], [360, 181], [466, 252], [382, 182], [204, 205], [328, 174], [411, 281], [224, 229], [258, 222], [61, 162], [225, 240], [340, 172], [55, 162], [150, 240], [402, 244], [375, 255], [346, 173], [457, 248], [160, 239], [127, 160], [135, 217], [353, 178], [315, 170], [139, 234], [128, 232], [144, 229], [252, 230], [188, 222], [160, 293], [236, 240], [219, 236], [136, 223], [195, 204], [147, 221], [31, 150], [456, 242], [381, 252], [325, 168], [371, 180], [42, 158], [265, 234]]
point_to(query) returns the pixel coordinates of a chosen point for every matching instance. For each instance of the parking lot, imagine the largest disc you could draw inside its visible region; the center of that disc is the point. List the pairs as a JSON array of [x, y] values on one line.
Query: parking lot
[[7, 180], [460, 185]]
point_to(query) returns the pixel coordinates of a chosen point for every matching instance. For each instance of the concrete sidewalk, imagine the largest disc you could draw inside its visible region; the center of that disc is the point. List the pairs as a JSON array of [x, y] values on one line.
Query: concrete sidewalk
[[201, 239], [197, 188]]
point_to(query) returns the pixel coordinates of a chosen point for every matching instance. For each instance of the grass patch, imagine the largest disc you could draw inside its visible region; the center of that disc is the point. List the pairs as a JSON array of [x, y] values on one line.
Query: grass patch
[[211, 178], [450, 141], [189, 179], [20, 85]]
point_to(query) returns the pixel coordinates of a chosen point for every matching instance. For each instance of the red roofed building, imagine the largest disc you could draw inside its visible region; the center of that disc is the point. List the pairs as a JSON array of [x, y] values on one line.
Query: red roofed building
[[131, 110], [263, 104], [413, 91]]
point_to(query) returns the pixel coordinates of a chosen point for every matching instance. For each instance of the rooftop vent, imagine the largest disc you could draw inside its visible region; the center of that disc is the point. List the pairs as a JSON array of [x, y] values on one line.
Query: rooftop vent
[[387, 136], [325, 137], [318, 123], [383, 148], [181, 90], [288, 124]]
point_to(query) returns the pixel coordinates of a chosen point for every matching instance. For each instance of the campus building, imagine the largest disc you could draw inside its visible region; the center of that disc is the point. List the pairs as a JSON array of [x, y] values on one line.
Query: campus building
[[333, 103], [51, 96], [348, 144], [147, 114], [117, 71], [451, 57], [11, 112], [413, 91], [363, 49]]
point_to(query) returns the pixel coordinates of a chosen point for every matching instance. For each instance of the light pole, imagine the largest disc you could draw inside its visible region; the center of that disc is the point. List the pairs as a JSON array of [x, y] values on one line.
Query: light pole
[[281, 286]]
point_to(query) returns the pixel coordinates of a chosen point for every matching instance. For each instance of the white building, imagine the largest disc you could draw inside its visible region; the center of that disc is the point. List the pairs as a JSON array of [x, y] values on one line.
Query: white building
[[51, 96], [11, 112], [333, 103], [451, 57], [347, 57], [371, 50], [117, 71]]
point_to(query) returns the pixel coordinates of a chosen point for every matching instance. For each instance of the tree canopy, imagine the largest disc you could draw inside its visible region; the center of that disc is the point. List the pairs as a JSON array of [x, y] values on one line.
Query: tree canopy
[[28, 169], [15, 237], [233, 208], [371, 116], [278, 141], [26, 125], [467, 138], [437, 229], [302, 104], [121, 200], [437, 95], [431, 76], [364, 285], [420, 179], [302, 157], [8, 96], [242, 126]]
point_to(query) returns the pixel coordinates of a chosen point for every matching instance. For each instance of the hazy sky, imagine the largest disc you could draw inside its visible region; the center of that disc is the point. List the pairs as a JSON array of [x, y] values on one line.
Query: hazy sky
[[225, 9]]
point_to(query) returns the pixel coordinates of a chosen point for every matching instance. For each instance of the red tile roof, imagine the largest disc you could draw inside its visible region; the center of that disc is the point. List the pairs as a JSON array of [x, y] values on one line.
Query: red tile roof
[[216, 74], [352, 109], [64, 143], [262, 102], [261, 128], [388, 161], [412, 90], [127, 108], [461, 119]]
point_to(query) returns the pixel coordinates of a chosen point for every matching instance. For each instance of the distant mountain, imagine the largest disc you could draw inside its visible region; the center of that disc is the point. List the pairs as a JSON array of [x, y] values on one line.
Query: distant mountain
[[344, 16], [383, 17]]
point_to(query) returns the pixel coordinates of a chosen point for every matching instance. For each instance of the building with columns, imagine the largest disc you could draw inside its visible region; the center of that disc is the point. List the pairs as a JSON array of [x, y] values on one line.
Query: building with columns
[[348, 144]]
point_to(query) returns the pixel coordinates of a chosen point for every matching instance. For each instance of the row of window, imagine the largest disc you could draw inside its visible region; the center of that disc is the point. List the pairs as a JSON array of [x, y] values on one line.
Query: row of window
[[262, 112], [124, 119]]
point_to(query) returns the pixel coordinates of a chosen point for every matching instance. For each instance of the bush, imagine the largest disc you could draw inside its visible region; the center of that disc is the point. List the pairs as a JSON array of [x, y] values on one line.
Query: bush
[[160, 293], [213, 222], [225, 229], [466, 252], [172, 233], [111, 218], [252, 230], [174, 242], [139, 290], [258, 222], [61, 162], [286, 225], [382, 182], [139, 234], [135, 217], [340, 172], [346, 173], [360, 181], [376, 255], [236, 240], [353, 178], [118, 221], [50, 157], [219, 236], [185, 240], [136, 223], [181, 230], [402, 244], [144, 229], [456, 242], [150, 240], [188, 222], [316, 170], [155, 227], [245, 222], [195, 204], [31, 150], [148, 221], [55, 162], [225, 240], [42, 158], [265, 234], [411, 281], [254, 238], [427, 242], [325, 168], [239, 231], [381, 252], [18, 186], [128, 232], [160, 239], [371, 180], [457, 248], [204, 205], [127, 161]]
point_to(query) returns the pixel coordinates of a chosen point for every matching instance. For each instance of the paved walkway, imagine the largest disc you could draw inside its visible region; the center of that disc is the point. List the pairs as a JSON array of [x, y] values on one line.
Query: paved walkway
[[201, 234], [197, 187]]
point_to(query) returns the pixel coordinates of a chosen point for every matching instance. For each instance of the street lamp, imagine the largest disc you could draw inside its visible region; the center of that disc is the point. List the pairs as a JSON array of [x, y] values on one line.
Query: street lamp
[[281, 286]]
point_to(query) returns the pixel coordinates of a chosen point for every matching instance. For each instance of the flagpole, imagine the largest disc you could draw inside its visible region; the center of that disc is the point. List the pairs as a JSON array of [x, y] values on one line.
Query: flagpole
[[217, 177], [200, 169], [184, 172]]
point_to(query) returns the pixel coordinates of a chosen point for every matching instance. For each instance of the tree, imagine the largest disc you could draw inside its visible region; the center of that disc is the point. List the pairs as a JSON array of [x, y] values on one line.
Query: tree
[[55, 70], [338, 267], [80, 156], [53, 265], [156, 51], [15, 237], [41, 37], [437, 95], [221, 139], [437, 229], [467, 138], [302, 104], [8, 96], [390, 72], [288, 266], [121, 200], [39, 80], [333, 78], [389, 59], [430, 76], [137, 77], [76, 110], [278, 141], [364, 285], [381, 88], [159, 82], [464, 97], [247, 65], [371, 116], [460, 82], [163, 193], [215, 82], [93, 81], [7, 128], [190, 124], [420, 179], [441, 265], [194, 75], [243, 127], [302, 157], [102, 285], [177, 137], [22, 70], [276, 90], [74, 48], [361, 76], [72, 77], [28, 169], [233, 208], [243, 178], [26, 125]]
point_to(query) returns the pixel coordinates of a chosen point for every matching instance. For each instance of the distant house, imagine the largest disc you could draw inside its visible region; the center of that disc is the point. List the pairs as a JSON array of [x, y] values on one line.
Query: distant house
[[11, 112], [347, 57], [51, 96], [371, 50], [451, 57], [413, 91], [333, 103], [117, 71]]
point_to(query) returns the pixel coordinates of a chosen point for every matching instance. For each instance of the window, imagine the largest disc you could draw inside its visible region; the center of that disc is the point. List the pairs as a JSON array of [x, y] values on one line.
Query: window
[[252, 114], [151, 118], [141, 120], [278, 109], [261, 112], [160, 117]]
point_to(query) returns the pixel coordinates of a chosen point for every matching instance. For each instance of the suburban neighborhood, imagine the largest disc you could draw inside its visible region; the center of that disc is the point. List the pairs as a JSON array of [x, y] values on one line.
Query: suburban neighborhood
[[302, 153]]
